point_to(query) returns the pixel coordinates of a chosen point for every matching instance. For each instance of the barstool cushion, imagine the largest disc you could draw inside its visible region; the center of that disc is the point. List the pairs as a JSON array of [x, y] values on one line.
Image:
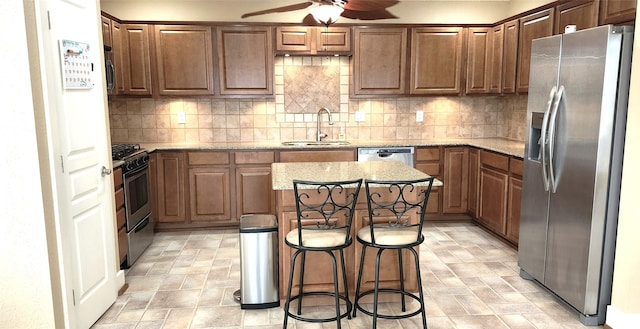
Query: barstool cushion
[[318, 238], [390, 236]]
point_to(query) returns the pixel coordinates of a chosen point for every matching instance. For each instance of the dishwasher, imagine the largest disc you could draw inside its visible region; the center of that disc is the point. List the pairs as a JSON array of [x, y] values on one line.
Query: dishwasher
[[402, 154]]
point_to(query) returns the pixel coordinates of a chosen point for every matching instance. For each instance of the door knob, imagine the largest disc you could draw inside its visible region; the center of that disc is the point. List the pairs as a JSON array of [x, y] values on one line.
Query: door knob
[[105, 171]]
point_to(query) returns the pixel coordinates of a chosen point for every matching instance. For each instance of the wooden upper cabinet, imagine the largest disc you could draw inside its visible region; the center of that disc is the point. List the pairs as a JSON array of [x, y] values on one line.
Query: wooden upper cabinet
[[534, 26], [313, 40], [184, 59], [617, 11], [136, 59], [495, 59], [479, 50], [510, 56], [245, 58], [106, 31], [581, 13], [436, 60], [117, 51], [379, 61]]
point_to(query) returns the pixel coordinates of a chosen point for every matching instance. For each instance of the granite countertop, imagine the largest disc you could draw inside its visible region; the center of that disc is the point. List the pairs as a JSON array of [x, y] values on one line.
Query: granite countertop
[[283, 174], [501, 145]]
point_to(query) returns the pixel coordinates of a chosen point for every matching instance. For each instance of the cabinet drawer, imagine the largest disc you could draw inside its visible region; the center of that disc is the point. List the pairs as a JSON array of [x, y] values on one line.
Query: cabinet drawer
[[428, 154], [515, 167], [254, 157], [119, 198], [494, 160], [117, 178], [208, 158], [120, 217]]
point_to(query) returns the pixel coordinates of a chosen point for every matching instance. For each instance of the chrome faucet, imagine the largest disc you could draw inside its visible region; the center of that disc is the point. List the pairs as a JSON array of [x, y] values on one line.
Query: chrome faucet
[[321, 135]]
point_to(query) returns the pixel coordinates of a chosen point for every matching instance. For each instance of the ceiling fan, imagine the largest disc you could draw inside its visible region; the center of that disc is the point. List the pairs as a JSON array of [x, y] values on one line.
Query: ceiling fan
[[328, 11]]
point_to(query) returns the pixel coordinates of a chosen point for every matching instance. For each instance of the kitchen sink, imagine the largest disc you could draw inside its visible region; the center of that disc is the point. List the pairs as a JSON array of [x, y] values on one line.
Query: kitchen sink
[[314, 143]]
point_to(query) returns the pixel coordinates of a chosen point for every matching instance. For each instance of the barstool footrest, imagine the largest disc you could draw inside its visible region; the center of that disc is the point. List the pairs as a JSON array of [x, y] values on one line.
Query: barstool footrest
[[320, 293], [385, 316]]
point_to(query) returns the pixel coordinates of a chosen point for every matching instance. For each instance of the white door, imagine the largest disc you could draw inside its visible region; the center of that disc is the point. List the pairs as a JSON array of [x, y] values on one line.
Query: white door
[[79, 150]]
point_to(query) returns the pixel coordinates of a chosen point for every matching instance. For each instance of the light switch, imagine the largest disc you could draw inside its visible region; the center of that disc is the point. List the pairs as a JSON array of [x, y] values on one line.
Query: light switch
[[359, 116], [182, 117], [419, 116]]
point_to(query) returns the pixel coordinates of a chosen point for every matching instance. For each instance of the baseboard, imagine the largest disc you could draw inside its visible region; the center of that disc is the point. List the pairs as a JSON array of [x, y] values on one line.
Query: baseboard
[[617, 319], [120, 282]]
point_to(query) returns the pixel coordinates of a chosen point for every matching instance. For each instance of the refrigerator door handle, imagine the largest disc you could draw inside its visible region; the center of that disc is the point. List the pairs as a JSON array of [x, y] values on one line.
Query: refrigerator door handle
[[552, 138], [544, 138]]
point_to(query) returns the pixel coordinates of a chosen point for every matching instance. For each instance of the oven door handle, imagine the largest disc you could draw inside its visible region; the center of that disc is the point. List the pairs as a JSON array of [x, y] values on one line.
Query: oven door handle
[[142, 225], [135, 172]]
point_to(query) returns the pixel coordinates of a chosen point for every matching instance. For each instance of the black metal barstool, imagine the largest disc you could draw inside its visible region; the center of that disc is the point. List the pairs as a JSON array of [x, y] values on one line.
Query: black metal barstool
[[392, 205], [330, 206]]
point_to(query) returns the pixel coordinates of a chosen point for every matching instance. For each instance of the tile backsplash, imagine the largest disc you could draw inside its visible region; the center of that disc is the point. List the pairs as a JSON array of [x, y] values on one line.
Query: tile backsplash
[[147, 120]]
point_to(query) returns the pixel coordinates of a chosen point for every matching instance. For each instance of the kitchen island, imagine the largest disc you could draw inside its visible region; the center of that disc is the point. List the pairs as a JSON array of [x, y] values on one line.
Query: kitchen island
[[318, 277]]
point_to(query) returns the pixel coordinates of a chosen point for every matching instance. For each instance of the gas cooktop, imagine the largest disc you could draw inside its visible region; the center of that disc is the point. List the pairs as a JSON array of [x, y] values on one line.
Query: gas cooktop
[[122, 151]]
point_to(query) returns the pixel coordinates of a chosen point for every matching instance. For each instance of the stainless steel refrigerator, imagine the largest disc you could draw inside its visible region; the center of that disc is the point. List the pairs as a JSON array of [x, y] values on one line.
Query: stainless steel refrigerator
[[576, 116]]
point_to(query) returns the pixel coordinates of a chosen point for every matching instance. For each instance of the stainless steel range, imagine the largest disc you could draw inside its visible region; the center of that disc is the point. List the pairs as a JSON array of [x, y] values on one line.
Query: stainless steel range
[[135, 175]]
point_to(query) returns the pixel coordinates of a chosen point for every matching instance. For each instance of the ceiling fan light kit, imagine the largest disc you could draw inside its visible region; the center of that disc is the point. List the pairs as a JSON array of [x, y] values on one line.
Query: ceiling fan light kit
[[326, 14]]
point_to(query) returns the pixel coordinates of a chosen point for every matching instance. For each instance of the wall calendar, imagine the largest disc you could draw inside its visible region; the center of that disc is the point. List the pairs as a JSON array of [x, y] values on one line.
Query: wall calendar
[[77, 68]]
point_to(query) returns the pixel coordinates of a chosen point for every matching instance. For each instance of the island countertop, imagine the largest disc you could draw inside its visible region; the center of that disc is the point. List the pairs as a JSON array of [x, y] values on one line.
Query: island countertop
[[283, 174]]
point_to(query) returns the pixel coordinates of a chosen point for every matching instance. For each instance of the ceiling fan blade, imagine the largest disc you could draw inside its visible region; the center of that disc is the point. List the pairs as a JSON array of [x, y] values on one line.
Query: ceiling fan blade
[[369, 5], [283, 9], [368, 15]]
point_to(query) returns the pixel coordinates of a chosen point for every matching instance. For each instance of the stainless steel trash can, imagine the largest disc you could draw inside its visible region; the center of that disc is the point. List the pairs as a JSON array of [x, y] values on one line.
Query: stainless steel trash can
[[259, 262]]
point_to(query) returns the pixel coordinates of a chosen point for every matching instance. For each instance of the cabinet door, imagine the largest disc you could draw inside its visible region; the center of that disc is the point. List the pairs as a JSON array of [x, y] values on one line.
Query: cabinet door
[[293, 39], [136, 60], [513, 206], [617, 11], [493, 199], [106, 31], [333, 40], [210, 192], [428, 161], [379, 61], [495, 69], [245, 60], [117, 51], [254, 194], [479, 46], [581, 13], [436, 60], [534, 26], [474, 181], [184, 59], [456, 180], [171, 187], [510, 56]]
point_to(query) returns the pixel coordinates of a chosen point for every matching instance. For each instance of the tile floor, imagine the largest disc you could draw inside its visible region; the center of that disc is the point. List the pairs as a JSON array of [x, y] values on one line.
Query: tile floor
[[187, 280]]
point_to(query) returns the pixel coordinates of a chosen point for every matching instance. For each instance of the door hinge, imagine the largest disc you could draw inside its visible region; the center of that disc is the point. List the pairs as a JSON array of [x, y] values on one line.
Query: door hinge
[[73, 294], [49, 19], [62, 163]]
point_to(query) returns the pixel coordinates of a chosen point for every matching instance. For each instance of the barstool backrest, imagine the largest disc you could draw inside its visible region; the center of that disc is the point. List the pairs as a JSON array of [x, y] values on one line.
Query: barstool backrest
[[397, 204], [328, 205]]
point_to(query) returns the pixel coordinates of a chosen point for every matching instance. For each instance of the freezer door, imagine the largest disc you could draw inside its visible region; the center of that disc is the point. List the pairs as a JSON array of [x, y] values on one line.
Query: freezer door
[[581, 163], [545, 60]]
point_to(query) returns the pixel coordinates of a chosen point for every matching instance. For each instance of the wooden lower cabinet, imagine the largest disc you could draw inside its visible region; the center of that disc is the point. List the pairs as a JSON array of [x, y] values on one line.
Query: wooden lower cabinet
[[513, 206], [474, 181], [209, 194], [123, 246], [171, 198], [456, 180], [428, 161], [493, 199], [254, 194]]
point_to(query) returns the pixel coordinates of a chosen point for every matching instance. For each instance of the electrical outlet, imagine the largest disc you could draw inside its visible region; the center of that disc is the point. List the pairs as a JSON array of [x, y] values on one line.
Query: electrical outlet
[[182, 117], [419, 116], [359, 116]]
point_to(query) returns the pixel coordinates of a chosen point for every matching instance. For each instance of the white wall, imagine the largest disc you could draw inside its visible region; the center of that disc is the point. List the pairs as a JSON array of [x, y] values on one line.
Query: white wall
[[25, 281]]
